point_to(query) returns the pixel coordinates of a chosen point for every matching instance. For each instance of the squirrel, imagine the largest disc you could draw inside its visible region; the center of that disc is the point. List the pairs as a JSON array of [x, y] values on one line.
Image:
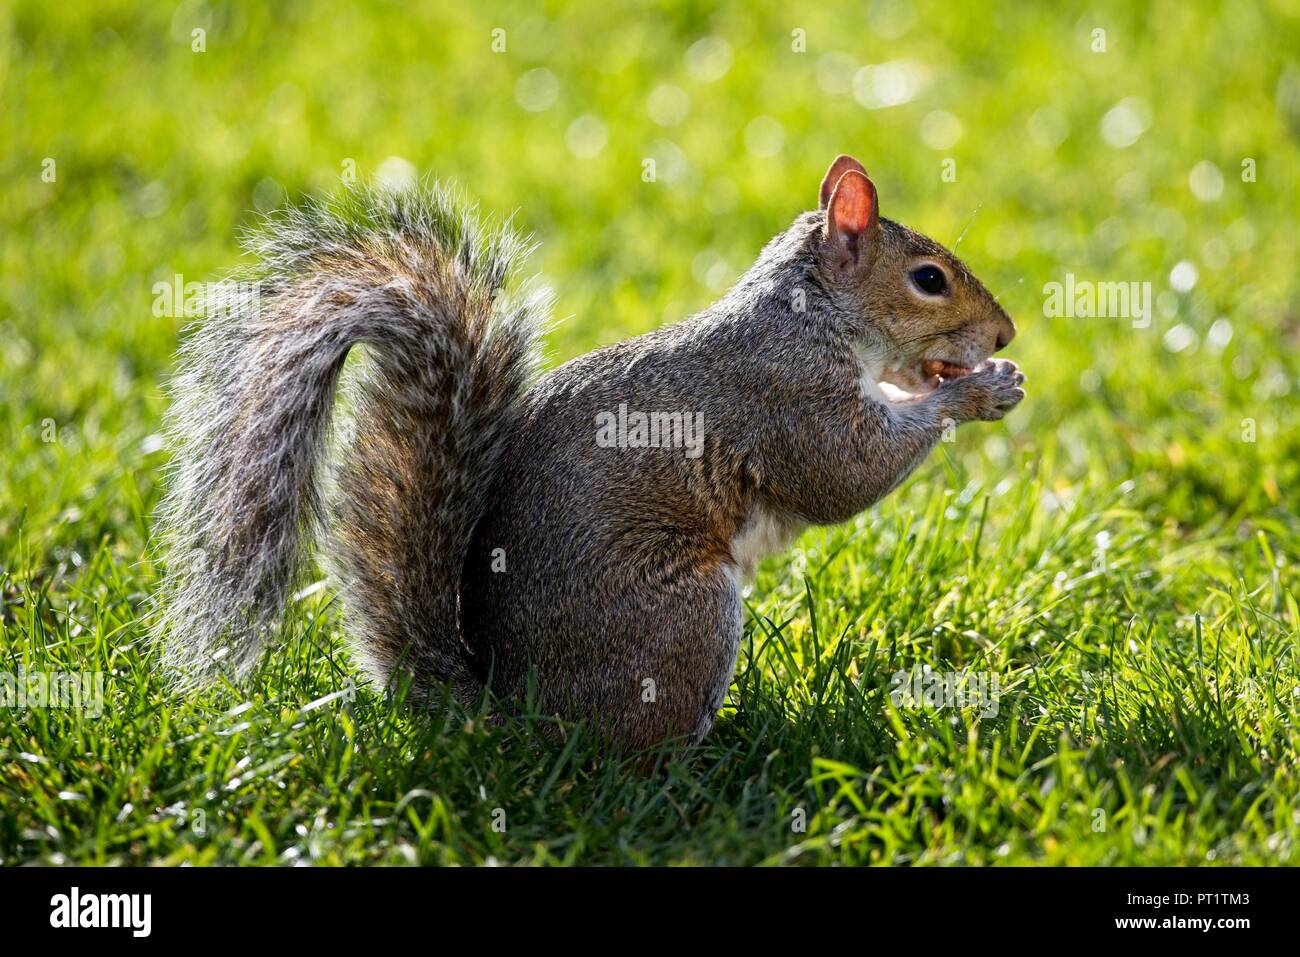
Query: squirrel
[[582, 535]]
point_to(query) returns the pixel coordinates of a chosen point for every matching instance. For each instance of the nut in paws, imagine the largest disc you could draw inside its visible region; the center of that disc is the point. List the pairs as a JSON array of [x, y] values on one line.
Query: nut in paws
[[992, 390]]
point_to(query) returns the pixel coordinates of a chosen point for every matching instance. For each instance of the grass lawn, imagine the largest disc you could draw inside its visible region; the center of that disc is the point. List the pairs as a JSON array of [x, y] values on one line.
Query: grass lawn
[[1119, 555]]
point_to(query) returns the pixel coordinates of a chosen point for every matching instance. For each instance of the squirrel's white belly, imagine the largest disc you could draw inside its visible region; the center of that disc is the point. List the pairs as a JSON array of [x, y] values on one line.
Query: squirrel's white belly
[[764, 531]]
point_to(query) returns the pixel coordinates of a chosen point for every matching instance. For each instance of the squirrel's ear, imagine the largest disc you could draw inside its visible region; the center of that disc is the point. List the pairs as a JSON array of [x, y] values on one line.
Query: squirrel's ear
[[841, 166], [851, 215]]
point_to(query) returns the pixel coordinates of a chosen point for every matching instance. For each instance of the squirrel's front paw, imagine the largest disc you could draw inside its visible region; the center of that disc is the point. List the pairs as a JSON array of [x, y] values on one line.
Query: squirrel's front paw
[[988, 393]]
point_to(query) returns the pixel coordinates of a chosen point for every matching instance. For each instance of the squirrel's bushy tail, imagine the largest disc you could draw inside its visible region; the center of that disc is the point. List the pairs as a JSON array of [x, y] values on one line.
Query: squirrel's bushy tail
[[413, 278]]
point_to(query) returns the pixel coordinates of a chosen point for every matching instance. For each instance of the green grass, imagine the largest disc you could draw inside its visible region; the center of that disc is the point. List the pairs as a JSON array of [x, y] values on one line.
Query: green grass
[[1149, 689]]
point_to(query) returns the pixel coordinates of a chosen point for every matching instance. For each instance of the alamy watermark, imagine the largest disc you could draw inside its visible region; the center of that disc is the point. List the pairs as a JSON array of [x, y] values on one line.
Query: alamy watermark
[[180, 299], [1084, 299], [133, 912], [924, 688], [626, 429], [73, 690]]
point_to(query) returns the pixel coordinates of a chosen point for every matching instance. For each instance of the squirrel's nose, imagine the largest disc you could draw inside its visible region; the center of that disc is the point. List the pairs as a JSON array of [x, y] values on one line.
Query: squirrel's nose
[[1005, 334]]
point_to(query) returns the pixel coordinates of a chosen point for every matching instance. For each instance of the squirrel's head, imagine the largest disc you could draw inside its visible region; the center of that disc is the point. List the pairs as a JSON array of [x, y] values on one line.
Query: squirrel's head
[[932, 318]]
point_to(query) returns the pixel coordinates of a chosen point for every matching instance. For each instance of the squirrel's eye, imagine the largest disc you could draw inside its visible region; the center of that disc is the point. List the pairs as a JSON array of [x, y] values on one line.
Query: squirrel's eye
[[930, 280]]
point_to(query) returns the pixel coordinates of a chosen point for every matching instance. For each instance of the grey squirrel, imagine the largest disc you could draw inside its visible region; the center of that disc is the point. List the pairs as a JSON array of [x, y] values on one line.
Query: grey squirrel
[[590, 527]]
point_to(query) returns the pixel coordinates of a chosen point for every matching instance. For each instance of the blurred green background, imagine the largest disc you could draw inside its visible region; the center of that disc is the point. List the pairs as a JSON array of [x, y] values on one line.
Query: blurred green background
[[1155, 142]]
